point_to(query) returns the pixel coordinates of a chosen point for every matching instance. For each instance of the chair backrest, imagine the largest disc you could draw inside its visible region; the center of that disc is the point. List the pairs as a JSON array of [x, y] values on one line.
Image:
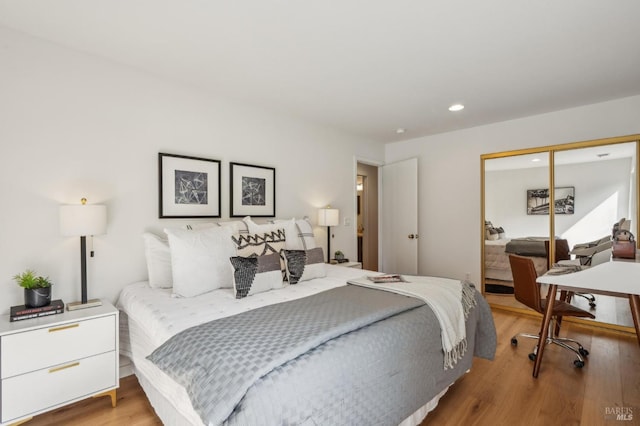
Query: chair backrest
[[525, 288], [562, 251], [601, 257]]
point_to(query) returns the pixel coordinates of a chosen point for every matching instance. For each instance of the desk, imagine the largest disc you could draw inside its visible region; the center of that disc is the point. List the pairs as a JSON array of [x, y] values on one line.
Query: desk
[[611, 278]]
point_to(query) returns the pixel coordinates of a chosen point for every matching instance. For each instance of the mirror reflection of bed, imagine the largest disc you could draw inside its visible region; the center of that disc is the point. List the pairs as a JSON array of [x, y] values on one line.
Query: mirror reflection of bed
[[602, 184]]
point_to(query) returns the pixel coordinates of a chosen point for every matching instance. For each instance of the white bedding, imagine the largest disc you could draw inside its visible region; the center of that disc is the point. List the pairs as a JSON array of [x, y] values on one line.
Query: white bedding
[[162, 316], [151, 316]]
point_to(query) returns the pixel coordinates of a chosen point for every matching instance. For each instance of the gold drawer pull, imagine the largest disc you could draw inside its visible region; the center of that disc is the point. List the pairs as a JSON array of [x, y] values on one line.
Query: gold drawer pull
[[64, 367], [65, 327]]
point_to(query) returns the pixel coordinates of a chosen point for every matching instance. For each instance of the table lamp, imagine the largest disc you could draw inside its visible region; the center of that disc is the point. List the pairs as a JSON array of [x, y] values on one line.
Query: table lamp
[[328, 217], [81, 221]]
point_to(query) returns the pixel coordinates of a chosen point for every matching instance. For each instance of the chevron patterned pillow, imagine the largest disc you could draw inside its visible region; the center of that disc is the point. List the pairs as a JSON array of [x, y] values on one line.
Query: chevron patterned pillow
[[256, 274], [259, 244], [304, 265]]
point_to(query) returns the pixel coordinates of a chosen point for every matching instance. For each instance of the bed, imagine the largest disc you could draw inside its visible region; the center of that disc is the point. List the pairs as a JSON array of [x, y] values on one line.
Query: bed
[[496, 259], [390, 369]]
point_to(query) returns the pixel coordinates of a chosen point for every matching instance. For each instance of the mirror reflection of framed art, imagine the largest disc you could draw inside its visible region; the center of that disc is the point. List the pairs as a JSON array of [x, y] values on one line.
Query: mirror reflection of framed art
[[538, 200]]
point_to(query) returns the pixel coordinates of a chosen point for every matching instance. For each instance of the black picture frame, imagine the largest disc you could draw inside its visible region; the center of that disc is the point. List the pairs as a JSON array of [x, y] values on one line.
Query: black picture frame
[[252, 190], [188, 187], [538, 200]]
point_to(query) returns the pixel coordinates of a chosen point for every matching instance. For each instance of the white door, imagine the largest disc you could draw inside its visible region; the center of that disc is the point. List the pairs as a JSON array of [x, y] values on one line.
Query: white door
[[399, 238]]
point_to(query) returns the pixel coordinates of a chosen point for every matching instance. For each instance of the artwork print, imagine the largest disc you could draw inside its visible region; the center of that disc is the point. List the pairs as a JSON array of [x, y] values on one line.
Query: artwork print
[[191, 187], [253, 191]]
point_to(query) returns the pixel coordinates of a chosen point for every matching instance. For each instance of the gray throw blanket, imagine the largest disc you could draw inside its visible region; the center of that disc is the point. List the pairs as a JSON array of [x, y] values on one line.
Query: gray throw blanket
[[218, 361], [530, 246]]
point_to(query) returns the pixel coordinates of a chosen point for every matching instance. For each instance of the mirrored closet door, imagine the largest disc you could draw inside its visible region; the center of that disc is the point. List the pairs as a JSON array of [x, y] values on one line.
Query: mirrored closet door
[[594, 183]]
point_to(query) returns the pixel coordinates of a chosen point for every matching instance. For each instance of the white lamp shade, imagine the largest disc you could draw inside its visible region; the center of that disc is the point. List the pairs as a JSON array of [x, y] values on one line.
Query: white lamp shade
[[82, 220], [328, 217]]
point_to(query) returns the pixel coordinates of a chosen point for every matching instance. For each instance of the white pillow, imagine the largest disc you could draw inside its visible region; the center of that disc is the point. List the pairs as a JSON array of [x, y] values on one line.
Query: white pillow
[[158, 255], [199, 225], [260, 228], [299, 234], [200, 260], [237, 226]]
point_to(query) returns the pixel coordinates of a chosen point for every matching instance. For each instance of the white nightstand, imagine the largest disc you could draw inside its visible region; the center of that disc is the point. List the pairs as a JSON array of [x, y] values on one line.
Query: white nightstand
[[52, 361]]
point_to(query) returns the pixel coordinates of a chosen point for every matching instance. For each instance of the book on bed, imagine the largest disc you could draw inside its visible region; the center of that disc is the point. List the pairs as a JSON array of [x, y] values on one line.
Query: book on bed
[[388, 278]]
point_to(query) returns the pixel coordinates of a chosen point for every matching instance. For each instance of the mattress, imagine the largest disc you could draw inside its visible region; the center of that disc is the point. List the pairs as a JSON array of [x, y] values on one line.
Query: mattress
[[151, 316]]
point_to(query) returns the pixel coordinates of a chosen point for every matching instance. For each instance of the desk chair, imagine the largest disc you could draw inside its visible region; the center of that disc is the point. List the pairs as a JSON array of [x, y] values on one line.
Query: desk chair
[[591, 254], [527, 292], [564, 255]]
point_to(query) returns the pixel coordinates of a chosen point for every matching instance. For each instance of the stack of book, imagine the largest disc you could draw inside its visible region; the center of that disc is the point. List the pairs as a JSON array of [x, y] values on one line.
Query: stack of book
[[23, 312]]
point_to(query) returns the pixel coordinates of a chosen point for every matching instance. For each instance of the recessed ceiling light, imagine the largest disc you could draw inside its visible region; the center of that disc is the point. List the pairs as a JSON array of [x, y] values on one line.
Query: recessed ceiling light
[[535, 160], [456, 107], [400, 130]]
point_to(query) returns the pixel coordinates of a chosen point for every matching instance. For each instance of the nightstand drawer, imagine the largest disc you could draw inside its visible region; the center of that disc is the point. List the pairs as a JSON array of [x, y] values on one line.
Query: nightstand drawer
[[44, 347], [44, 389]]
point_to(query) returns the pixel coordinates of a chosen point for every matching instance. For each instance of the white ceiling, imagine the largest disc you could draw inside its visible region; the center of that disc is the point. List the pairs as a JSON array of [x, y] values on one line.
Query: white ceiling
[[572, 156], [366, 67]]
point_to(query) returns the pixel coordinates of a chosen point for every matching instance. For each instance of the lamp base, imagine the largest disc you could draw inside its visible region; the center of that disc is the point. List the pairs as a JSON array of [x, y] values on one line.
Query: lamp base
[[79, 305]]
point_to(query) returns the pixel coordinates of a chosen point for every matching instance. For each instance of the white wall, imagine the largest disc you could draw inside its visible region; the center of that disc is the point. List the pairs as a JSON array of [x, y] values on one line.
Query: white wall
[[506, 201], [75, 125], [601, 198], [449, 174]]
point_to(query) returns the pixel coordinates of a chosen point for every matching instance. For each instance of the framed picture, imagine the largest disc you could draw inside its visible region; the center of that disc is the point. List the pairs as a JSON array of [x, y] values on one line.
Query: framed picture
[[253, 190], [538, 200], [188, 186]]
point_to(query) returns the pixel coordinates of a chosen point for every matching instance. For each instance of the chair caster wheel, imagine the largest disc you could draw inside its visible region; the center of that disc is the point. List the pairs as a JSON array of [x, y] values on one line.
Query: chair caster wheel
[[578, 363], [514, 341], [532, 356], [592, 304], [583, 352]]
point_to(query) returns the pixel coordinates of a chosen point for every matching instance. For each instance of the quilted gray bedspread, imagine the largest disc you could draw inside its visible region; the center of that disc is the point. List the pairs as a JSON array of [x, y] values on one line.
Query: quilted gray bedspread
[[349, 355]]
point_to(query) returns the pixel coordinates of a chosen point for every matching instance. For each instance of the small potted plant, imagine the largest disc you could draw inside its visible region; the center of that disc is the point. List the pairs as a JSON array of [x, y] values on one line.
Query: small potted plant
[[37, 289], [339, 255]]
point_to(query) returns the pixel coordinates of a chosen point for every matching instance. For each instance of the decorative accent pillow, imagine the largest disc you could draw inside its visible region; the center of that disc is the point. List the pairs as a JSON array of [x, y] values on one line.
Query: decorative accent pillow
[[255, 274], [200, 260], [158, 255], [299, 234], [271, 242], [304, 265], [259, 244], [492, 234]]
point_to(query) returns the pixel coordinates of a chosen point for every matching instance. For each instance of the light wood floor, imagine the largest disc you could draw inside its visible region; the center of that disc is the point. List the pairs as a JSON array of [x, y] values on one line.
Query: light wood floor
[[499, 392], [609, 309]]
